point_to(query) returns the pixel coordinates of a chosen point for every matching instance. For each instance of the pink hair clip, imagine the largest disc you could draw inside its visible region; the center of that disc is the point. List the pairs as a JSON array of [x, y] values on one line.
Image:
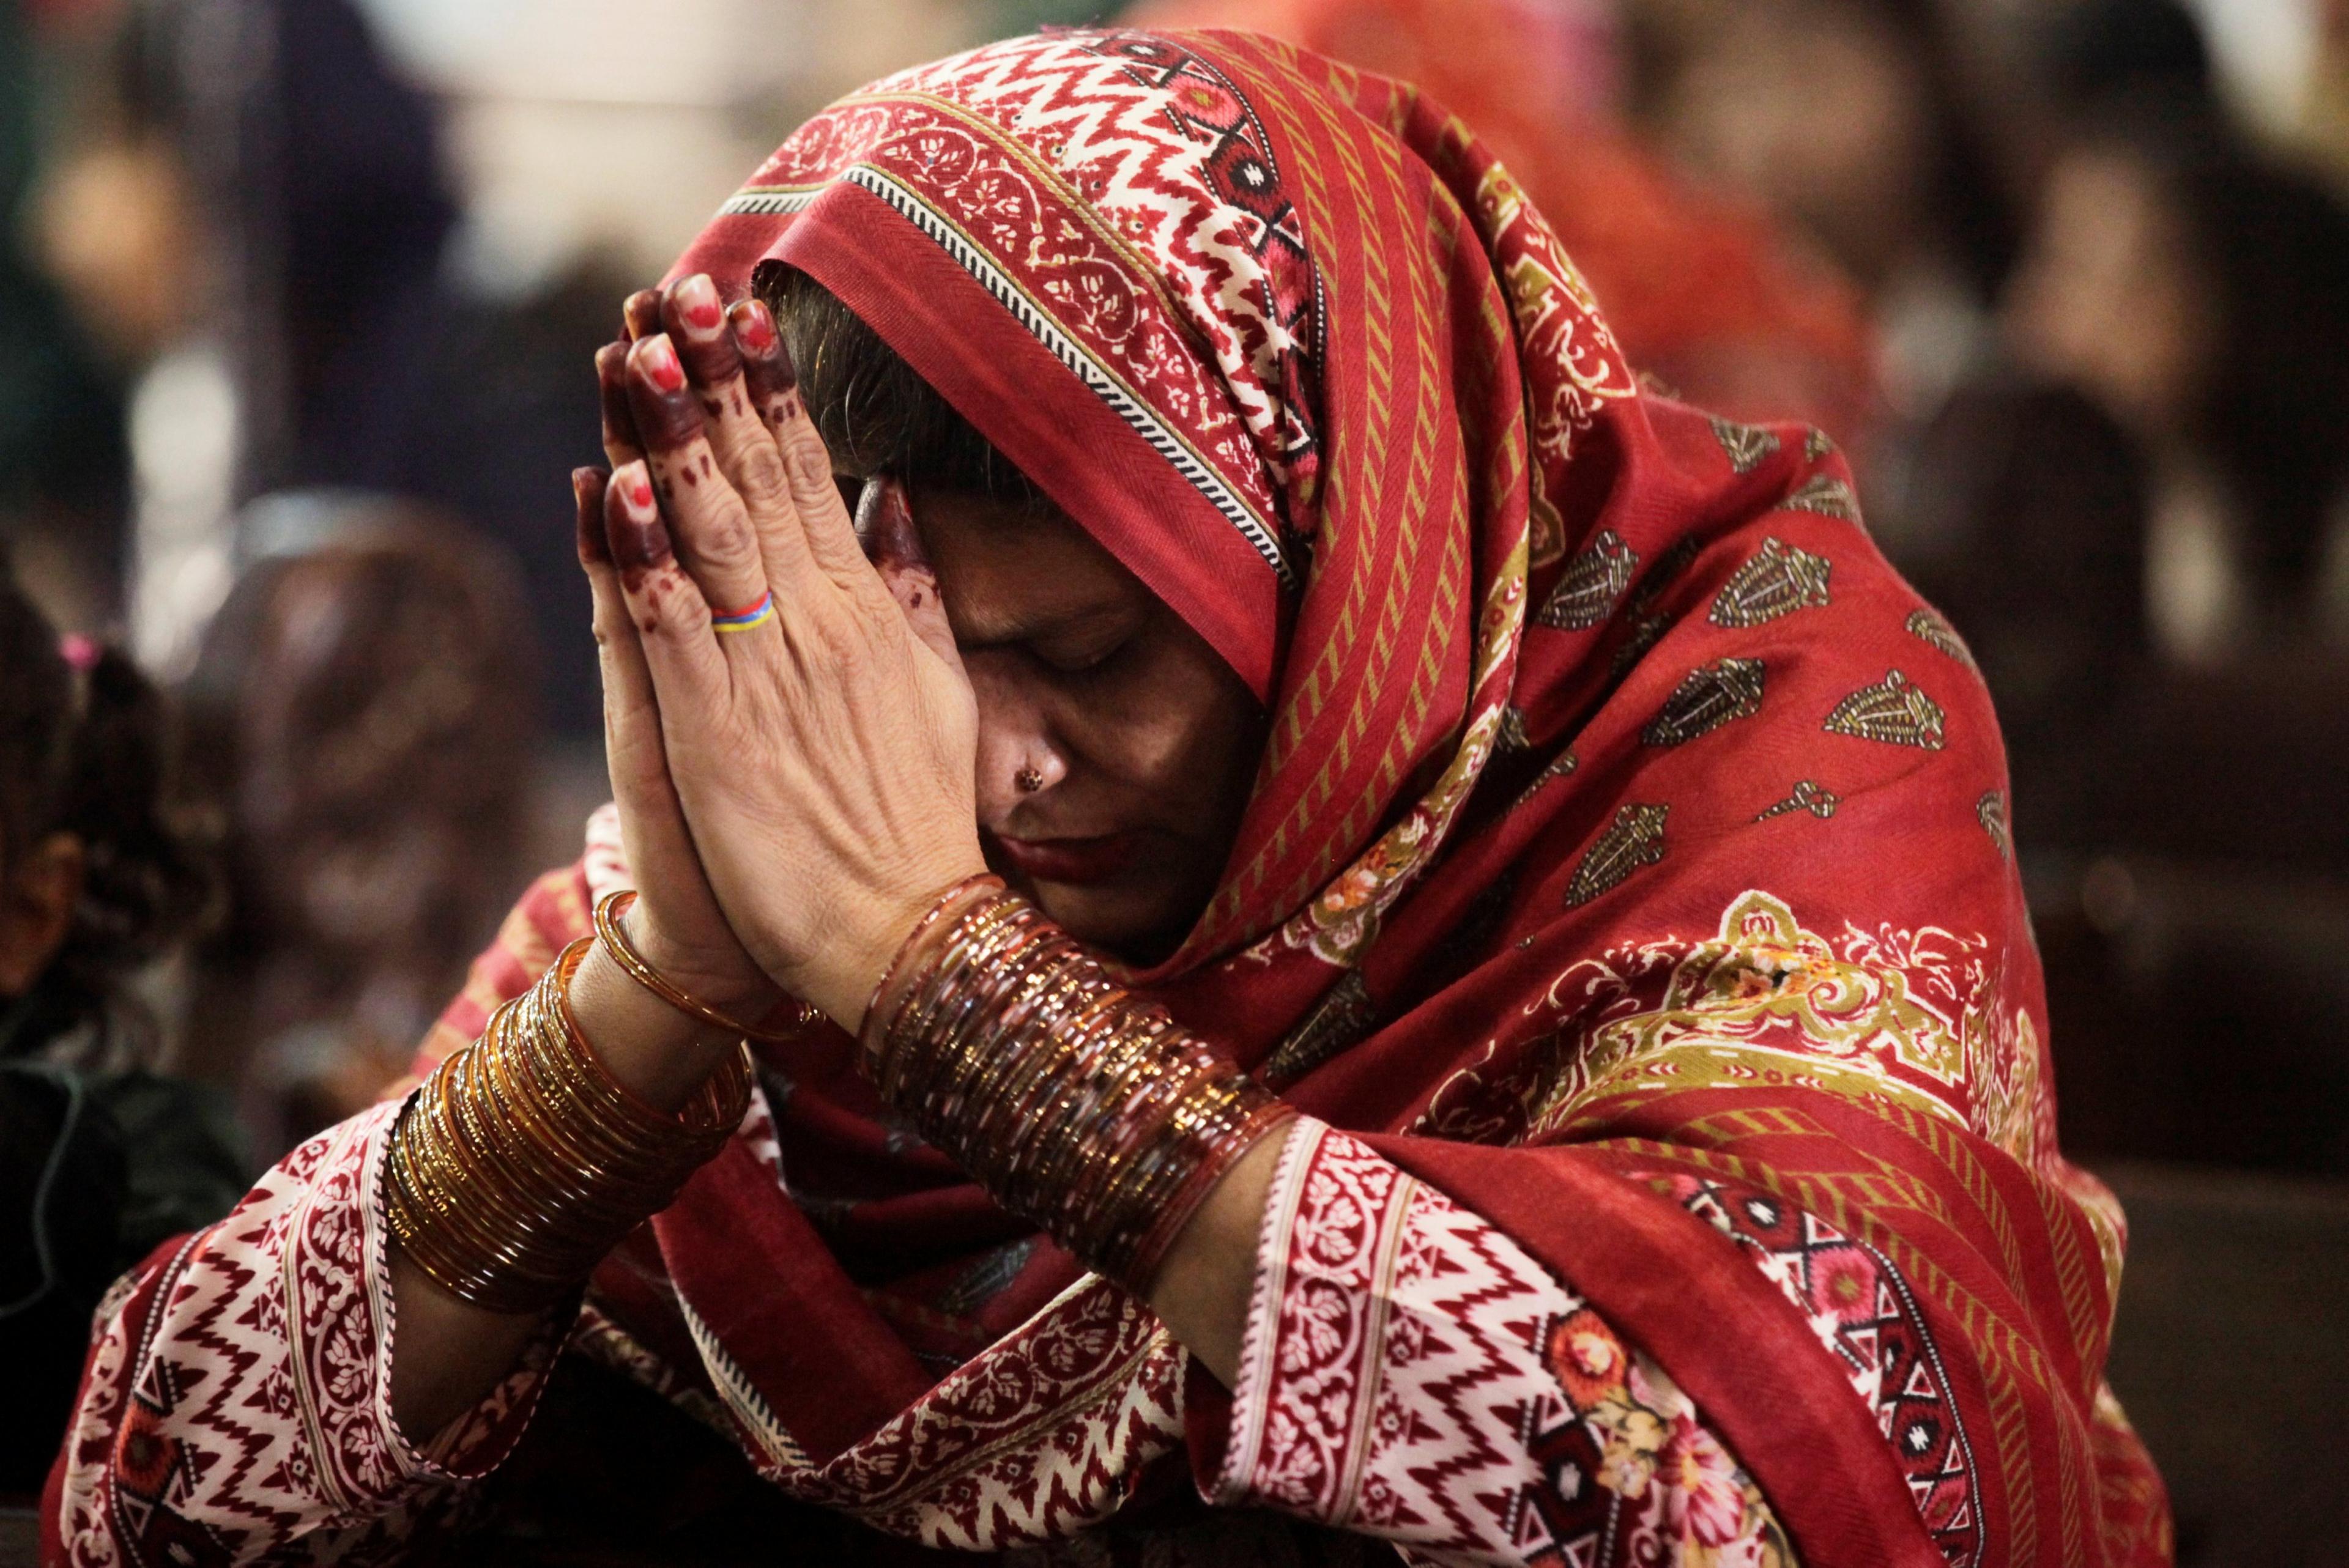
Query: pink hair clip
[[79, 651]]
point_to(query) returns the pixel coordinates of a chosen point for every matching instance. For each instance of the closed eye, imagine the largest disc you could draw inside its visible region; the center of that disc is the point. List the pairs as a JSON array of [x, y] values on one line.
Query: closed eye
[[1077, 659]]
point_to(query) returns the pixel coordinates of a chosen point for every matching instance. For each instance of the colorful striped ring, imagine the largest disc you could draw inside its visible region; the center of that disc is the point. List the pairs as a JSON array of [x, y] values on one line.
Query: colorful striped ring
[[742, 620]]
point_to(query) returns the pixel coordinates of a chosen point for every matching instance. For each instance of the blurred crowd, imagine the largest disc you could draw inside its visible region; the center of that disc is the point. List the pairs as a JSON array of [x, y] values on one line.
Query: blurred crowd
[[297, 303]]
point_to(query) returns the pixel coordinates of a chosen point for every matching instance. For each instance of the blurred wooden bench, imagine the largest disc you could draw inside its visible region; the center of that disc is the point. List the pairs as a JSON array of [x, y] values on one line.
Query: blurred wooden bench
[[2231, 1355]]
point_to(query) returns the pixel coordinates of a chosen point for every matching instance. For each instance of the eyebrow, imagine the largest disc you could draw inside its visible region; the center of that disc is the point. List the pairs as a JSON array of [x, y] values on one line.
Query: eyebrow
[[979, 633]]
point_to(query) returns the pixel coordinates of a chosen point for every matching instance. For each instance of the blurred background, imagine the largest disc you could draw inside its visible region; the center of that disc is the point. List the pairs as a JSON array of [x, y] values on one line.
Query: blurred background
[[297, 301]]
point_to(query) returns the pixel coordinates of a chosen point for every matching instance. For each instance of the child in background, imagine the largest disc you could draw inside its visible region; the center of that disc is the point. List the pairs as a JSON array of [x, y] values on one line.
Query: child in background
[[101, 1160]]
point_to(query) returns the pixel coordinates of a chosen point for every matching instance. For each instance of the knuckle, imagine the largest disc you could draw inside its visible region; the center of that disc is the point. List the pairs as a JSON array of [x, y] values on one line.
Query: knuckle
[[844, 642], [669, 604], [810, 463], [728, 541], [765, 481]]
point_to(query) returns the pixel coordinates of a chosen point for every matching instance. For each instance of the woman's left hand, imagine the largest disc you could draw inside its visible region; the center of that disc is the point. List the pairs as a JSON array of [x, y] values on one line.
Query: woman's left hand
[[823, 755]]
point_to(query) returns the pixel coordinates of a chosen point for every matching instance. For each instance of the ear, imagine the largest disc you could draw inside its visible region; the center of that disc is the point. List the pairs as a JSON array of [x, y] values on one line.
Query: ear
[[37, 909], [884, 526]]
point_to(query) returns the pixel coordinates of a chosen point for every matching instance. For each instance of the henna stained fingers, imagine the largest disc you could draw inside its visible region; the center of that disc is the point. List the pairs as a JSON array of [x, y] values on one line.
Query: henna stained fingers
[[734, 560], [631, 717], [885, 520], [621, 442], [640, 315], [665, 606], [774, 390], [744, 447]]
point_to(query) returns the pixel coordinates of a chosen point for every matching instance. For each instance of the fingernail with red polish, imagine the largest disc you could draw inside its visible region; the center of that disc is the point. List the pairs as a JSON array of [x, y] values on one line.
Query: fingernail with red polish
[[667, 415], [698, 308], [697, 329], [754, 329], [659, 357], [766, 362], [639, 539], [587, 490]]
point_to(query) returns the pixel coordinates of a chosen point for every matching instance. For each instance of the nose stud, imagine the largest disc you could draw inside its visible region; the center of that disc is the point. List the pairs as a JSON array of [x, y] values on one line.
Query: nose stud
[[1029, 780]]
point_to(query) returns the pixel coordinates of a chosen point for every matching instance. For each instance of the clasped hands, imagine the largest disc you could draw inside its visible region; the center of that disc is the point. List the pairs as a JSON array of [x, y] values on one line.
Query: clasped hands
[[790, 732]]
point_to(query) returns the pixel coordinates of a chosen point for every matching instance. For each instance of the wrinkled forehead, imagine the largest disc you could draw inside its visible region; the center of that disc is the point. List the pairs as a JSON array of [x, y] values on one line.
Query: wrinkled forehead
[[1087, 243]]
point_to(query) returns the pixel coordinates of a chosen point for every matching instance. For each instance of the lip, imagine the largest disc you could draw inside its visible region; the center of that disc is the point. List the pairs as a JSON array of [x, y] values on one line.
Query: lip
[[1070, 862]]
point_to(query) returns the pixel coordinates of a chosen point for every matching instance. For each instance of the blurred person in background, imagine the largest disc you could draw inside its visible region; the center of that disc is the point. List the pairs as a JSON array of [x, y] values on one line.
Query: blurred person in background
[[267, 251], [1850, 122], [101, 1160], [2029, 507], [259, 248], [1705, 294], [63, 466], [2199, 290], [360, 724]]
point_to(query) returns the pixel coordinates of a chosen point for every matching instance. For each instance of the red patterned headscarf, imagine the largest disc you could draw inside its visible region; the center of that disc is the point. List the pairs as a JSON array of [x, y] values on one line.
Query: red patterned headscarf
[[1625, 822]]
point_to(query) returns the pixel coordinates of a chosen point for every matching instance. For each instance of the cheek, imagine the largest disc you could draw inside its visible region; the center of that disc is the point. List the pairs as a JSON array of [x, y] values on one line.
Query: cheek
[[1181, 731]]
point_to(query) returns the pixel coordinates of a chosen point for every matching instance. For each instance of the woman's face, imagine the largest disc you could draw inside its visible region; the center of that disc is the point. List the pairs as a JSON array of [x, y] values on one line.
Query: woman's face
[[2108, 295], [1115, 746]]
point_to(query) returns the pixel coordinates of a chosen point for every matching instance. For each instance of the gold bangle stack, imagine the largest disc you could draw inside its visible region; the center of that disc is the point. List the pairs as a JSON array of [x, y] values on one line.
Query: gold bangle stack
[[521, 1162], [1078, 1106]]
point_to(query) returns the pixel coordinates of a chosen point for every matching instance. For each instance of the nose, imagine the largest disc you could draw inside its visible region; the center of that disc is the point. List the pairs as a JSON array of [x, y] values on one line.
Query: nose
[[1019, 755]]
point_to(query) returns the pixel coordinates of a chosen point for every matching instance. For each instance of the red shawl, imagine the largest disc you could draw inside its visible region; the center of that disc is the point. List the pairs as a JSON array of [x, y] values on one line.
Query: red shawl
[[1624, 818], [1702, 293]]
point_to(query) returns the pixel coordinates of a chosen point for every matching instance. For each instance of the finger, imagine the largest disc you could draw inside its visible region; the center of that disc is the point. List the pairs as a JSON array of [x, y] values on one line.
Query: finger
[[587, 491], [824, 522], [885, 520], [670, 617], [629, 706], [621, 442], [710, 524], [696, 323], [745, 448], [640, 315]]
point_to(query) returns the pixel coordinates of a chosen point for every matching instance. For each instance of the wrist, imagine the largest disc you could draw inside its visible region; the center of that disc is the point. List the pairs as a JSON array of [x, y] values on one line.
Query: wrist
[[661, 1055], [878, 965], [1073, 1103], [727, 981], [522, 1161]]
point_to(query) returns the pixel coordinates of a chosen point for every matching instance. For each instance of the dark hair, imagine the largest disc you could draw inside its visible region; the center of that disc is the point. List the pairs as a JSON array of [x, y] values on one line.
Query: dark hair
[[877, 417], [1965, 194], [1965, 204], [407, 699], [2099, 56], [84, 752]]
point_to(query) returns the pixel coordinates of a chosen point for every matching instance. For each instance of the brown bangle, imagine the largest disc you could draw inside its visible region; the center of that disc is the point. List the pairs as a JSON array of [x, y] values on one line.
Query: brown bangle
[[1079, 1106], [614, 939], [916, 939]]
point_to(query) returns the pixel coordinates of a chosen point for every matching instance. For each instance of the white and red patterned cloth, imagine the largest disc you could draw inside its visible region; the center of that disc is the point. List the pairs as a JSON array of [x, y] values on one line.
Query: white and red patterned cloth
[[1409, 1375], [237, 1403]]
